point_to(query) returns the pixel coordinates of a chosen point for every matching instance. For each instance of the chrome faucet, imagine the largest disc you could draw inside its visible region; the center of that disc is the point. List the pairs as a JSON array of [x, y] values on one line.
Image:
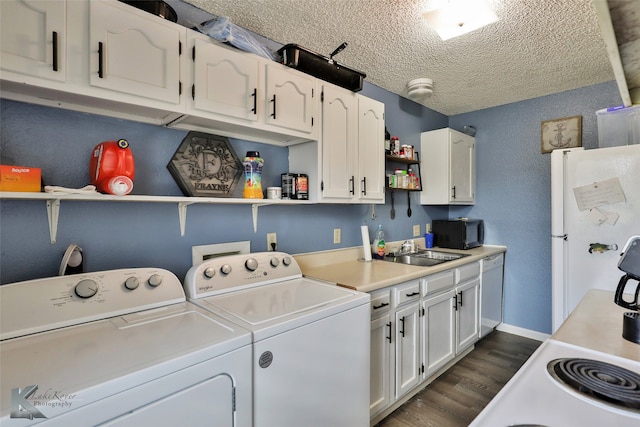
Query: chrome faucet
[[407, 247]]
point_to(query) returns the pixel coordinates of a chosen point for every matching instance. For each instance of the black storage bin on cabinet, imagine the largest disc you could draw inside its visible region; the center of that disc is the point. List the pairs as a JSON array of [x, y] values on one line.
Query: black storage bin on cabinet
[[321, 67]]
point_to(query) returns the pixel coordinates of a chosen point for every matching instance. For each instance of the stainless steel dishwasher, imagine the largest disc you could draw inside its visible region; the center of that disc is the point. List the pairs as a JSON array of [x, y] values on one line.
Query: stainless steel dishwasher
[[491, 293]]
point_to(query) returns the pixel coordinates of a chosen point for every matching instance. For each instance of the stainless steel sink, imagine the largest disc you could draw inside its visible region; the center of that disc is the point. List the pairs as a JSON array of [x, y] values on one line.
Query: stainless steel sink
[[426, 258]]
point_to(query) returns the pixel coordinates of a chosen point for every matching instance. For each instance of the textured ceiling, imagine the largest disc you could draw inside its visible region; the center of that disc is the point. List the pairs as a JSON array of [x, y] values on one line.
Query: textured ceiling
[[538, 47], [625, 17]]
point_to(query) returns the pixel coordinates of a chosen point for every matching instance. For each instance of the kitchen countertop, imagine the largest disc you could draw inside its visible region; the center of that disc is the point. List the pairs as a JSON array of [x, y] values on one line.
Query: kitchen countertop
[[596, 323], [346, 267]]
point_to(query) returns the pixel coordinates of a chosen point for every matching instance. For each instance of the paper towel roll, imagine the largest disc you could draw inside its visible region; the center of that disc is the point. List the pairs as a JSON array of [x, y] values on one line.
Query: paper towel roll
[[366, 246]]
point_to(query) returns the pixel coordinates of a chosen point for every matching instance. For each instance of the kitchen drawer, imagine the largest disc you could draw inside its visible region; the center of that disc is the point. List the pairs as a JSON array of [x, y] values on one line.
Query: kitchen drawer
[[437, 283], [380, 301], [407, 292], [467, 272]]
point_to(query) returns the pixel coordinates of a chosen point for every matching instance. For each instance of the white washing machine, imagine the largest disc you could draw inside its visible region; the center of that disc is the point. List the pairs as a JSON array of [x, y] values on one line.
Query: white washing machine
[[119, 348], [311, 340]]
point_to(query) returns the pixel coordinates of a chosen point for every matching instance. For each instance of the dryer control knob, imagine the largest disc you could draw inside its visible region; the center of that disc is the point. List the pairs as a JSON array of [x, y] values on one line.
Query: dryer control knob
[[209, 272], [286, 260], [274, 262], [155, 280], [86, 288], [251, 264], [225, 269], [131, 283]]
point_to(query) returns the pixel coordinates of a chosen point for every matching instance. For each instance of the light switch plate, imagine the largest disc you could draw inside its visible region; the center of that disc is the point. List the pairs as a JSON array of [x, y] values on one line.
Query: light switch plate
[[337, 236], [416, 230]]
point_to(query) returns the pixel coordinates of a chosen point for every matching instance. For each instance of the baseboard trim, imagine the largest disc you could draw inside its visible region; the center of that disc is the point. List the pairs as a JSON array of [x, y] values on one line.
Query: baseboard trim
[[527, 333]]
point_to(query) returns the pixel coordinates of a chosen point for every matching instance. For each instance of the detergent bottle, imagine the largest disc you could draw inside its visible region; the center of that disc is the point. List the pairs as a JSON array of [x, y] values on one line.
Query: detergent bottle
[[112, 168], [253, 175]]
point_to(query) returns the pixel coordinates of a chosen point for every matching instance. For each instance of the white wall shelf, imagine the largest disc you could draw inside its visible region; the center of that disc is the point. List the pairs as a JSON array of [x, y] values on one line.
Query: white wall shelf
[[53, 204]]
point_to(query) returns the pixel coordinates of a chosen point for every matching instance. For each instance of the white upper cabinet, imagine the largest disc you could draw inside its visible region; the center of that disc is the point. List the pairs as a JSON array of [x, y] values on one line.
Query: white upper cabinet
[[290, 99], [339, 142], [106, 57], [371, 149], [226, 81], [243, 95], [132, 53], [111, 58], [352, 147], [448, 176], [33, 36]]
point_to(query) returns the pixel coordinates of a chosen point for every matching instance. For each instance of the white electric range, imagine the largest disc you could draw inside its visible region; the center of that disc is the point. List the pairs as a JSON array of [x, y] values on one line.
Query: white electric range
[[119, 348], [311, 340], [585, 375]]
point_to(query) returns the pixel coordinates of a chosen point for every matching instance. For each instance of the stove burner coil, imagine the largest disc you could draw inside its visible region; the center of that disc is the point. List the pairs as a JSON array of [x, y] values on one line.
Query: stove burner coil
[[598, 380]]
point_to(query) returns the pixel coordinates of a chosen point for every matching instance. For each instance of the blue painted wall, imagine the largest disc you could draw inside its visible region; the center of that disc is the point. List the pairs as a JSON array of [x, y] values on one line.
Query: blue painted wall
[[514, 190], [119, 235], [513, 194]]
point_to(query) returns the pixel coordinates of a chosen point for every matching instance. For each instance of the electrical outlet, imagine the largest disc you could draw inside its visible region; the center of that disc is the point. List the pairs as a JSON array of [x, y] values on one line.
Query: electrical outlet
[[272, 242], [416, 230], [337, 236]]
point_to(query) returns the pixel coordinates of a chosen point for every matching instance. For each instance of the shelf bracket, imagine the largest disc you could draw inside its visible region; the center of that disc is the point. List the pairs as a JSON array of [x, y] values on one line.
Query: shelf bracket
[[254, 216], [53, 213], [182, 215]]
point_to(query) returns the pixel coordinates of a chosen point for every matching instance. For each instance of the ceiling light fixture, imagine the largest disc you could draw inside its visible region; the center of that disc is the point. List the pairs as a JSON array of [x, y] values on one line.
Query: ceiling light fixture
[[457, 17], [420, 89]]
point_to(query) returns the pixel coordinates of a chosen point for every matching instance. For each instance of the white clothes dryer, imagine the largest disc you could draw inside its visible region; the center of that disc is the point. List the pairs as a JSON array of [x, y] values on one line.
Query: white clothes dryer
[[119, 348], [311, 340]]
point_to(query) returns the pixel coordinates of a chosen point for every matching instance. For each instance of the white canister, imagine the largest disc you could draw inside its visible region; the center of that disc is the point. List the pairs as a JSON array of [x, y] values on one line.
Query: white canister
[[274, 192]]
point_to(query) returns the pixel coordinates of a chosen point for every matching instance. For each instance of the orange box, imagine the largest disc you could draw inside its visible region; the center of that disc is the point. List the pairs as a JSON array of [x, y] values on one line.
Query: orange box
[[20, 178]]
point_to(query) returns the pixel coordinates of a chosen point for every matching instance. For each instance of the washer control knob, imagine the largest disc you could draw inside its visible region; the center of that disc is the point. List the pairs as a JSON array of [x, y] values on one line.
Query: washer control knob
[[131, 283], [155, 280], [209, 272], [225, 269], [86, 288], [251, 264], [286, 260], [274, 262]]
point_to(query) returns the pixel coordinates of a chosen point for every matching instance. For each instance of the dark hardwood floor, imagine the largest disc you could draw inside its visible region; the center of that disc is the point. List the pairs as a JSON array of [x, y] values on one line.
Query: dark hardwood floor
[[456, 397]]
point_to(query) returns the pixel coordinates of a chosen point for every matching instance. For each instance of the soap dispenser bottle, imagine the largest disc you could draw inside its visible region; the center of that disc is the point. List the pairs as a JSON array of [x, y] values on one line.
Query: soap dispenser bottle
[[379, 243]]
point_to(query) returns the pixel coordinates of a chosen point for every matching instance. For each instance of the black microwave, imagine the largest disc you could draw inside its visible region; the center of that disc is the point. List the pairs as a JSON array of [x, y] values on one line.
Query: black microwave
[[461, 233]]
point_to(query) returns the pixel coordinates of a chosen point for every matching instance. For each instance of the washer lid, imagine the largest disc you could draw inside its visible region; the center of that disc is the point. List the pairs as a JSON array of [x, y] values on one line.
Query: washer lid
[[88, 362], [277, 307]]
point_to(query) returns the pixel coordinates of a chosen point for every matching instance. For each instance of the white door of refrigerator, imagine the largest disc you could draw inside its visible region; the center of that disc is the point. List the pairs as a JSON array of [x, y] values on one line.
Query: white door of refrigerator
[[576, 269]]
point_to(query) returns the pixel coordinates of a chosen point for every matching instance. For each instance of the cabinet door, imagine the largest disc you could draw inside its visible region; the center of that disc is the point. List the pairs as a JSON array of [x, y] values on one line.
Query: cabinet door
[[407, 349], [381, 365], [33, 35], [226, 82], [290, 99], [467, 314], [462, 171], [133, 53], [370, 149], [339, 142], [438, 331]]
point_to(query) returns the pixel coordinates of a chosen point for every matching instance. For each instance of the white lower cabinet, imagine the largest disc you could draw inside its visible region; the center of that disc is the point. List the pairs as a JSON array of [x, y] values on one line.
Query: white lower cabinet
[[395, 343], [382, 353], [417, 328], [406, 303], [438, 321], [467, 315], [467, 300]]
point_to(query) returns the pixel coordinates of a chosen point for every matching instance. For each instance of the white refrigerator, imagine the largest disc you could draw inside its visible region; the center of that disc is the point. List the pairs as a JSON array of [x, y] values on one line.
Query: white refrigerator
[[595, 208]]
